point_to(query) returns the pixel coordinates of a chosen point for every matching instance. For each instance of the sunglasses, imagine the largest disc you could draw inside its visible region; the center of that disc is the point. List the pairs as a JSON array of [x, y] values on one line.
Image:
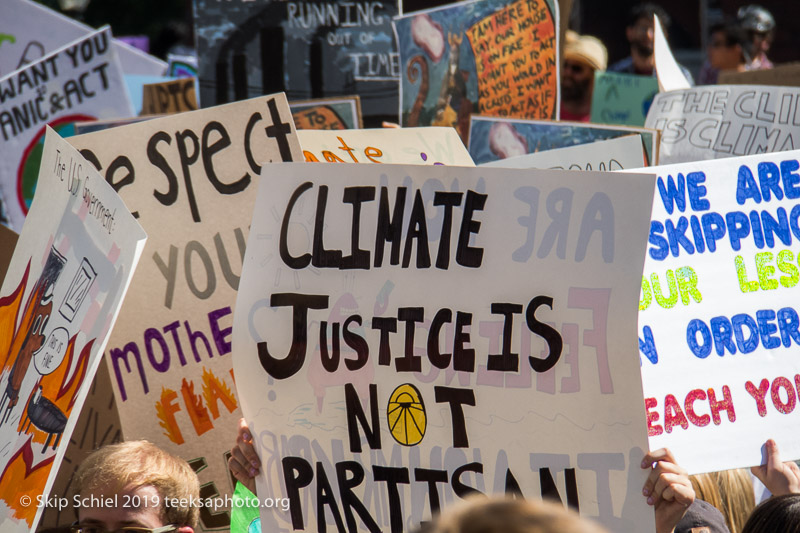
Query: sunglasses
[[91, 528]]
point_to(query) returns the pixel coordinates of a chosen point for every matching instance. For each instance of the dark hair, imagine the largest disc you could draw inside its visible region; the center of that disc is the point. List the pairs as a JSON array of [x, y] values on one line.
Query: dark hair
[[777, 514], [646, 11], [734, 34]]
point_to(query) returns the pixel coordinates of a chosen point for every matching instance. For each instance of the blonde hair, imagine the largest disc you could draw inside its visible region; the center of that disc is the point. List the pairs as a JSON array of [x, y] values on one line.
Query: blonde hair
[[479, 514], [730, 491], [134, 464]]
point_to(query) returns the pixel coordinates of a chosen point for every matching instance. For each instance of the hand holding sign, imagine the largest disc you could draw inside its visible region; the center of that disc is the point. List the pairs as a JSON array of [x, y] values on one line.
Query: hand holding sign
[[779, 477]]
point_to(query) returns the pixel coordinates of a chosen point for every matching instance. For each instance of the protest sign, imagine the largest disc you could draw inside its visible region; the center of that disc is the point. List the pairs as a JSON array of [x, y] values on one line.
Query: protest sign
[[491, 139], [718, 320], [554, 412], [29, 31], [306, 48], [327, 114], [622, 98], [506, 66], [785, 75], [72, 265], [190, 181], [179, 66], [410, 146], [169, 97], [613, 154], [669, 73], [714, 121], [81, 81], [100, 125]]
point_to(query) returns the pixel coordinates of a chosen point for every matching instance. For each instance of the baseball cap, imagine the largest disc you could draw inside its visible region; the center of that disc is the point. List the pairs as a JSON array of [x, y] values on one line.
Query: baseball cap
[[702, 517]]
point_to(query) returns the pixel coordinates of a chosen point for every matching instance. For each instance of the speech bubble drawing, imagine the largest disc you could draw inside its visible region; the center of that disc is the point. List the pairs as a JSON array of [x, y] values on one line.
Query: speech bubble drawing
[[50, 355]]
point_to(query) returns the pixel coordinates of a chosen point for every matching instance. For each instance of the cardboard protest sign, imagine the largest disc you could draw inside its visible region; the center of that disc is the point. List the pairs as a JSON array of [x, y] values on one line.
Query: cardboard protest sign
[[29, 31], [409, 146], [785, 75], [81, 81], [613, 154], [709, 122], [327, 114], [190, 180], [491, 57], [491, 139], [718, 320], [100, 125], [406, 356], [169, 97], [622, 98], [8, 241], [669, 73], [72, 265], [305, 48]]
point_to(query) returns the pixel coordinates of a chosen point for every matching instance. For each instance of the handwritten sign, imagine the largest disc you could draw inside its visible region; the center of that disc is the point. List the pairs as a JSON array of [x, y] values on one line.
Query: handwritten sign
[[30, 31], [305, 48], [190, 181], [507, 67], [81, 81], [715, 121], [174, 96], [397, 373], [613, 154], [327, 114], [65, 284], [491, 139], [622, 98], [718, 319], [410, 146]]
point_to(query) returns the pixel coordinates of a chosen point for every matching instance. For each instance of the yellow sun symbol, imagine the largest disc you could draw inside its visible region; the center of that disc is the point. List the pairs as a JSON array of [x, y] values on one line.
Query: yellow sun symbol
[[406, 414]]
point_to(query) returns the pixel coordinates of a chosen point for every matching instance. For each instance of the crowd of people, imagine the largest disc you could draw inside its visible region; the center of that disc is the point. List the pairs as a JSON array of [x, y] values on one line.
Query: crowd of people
[[764, 500], [737, 44]]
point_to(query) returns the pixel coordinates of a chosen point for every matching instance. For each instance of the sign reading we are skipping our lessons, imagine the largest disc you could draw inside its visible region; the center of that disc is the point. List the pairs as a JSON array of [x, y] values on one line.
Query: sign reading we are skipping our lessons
[[718, 318], [404, 334]]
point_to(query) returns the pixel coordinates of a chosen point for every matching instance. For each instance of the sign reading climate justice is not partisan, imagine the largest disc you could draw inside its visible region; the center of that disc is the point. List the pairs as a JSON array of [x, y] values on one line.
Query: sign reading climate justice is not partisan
[[406, 335]]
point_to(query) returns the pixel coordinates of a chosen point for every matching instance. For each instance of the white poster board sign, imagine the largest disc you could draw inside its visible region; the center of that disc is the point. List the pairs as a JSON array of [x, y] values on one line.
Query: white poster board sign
[[714, 121], [390, 340], [718, 325], [60, 298], [81, 81], [670, 76], [613, 154], [30, 31], [410, 146]]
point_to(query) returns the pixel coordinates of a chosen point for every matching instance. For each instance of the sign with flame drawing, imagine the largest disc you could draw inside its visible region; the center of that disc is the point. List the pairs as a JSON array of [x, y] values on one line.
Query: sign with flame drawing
[[59, 300]]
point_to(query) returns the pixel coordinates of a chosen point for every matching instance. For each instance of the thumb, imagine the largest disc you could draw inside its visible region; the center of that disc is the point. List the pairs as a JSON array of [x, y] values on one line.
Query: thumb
[[773, 455]]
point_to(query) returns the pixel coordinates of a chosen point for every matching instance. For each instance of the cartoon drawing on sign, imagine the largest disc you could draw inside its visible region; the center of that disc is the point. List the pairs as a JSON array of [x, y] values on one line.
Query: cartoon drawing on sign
[[452, 107], [45, 342]]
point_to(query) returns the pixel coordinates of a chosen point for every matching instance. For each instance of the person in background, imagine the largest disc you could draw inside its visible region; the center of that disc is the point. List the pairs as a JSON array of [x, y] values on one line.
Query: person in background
[[640, 32], [729, 49], [780, 514], [140, 477], [730, 491], [583, 56], [760, 26]]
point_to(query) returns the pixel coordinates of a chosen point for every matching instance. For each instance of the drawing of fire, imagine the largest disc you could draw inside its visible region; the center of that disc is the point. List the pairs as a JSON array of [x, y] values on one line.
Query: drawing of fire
[[34, 338]]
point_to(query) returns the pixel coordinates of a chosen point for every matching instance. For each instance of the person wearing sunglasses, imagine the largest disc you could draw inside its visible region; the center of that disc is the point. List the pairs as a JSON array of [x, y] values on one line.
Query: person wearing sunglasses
[[135, 487]]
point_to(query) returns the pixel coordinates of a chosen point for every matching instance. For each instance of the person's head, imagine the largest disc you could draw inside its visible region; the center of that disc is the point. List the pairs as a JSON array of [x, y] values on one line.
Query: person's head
[[777, 514], [505, 515], [582, 55], [729, 47], [759, 25], [730, 491], [139, 477], [640, 27]]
